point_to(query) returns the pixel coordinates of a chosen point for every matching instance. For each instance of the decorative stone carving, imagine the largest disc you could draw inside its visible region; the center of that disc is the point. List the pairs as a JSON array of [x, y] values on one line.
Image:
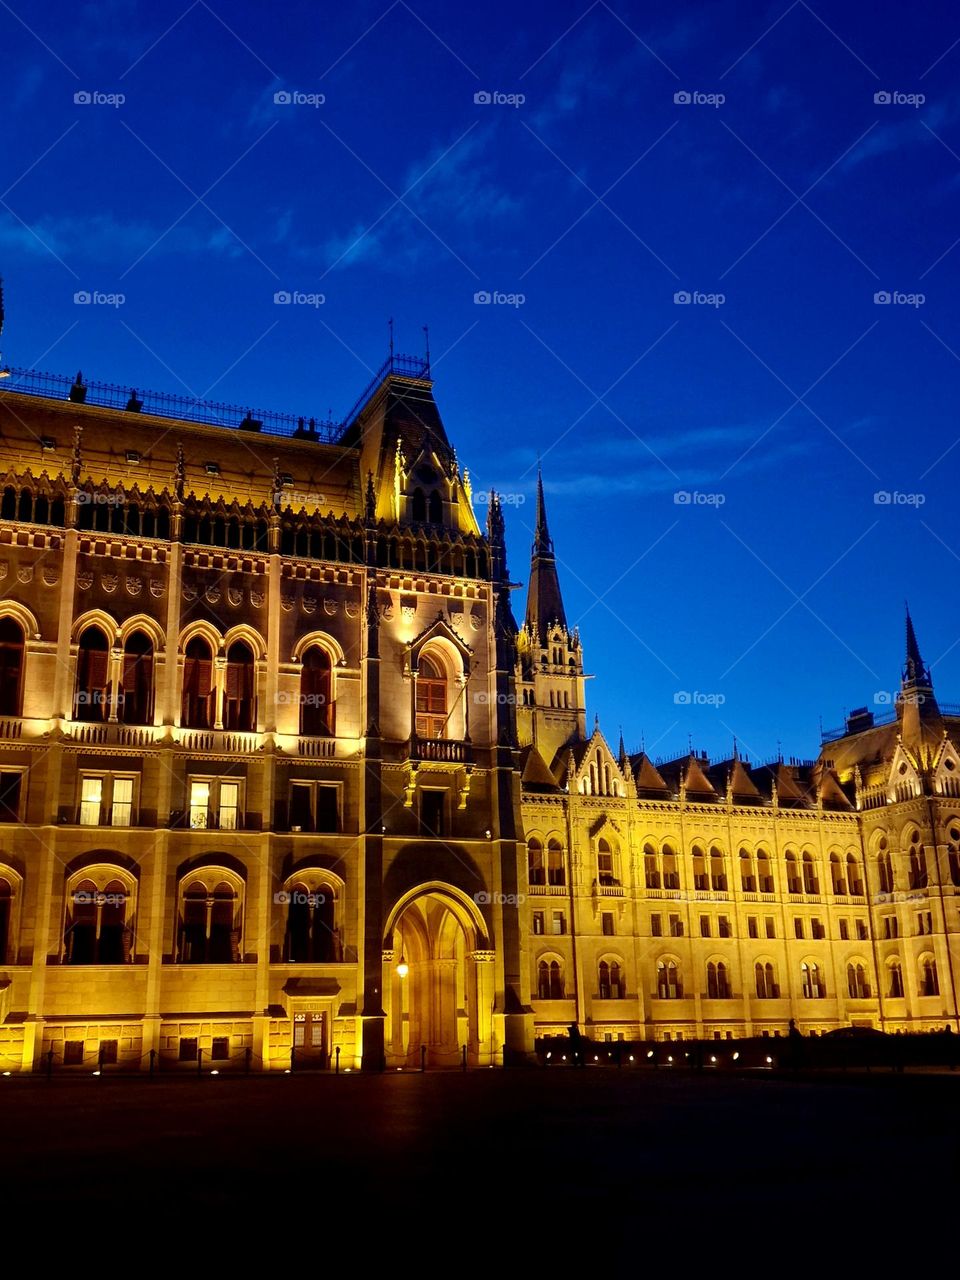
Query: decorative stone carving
[[51, 575], [256, 599], [234, 596], [476, 621], [134, 586], [351, 608], [189, 591], [85, 580], [309, 605], [212, 595], [286, 602], [4, 568], [330, 607], [25, 573], [157, 587], [109, 582]]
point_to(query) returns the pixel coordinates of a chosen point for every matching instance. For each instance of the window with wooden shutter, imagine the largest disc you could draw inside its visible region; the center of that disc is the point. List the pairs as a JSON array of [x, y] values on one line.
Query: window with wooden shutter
[[431, 700]]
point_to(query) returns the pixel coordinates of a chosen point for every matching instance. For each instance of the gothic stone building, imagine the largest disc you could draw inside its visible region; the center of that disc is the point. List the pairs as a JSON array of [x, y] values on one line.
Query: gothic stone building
[[281, 778]]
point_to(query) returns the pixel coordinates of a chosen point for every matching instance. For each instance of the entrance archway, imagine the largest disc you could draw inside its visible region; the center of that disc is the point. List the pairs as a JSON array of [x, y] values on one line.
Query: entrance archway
[[440, 998]]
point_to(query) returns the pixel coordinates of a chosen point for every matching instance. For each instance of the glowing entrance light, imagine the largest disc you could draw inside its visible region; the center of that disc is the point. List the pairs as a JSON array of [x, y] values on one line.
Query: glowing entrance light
[[402, 968]]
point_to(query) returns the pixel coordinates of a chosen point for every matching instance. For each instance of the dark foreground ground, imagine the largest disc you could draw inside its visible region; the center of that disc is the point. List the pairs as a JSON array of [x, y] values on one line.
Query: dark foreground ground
[[549, 1167]]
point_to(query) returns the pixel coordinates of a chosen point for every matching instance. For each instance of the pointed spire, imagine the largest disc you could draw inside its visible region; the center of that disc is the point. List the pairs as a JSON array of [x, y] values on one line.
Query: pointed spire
[[544, 601], [914, 672], [622, 750]]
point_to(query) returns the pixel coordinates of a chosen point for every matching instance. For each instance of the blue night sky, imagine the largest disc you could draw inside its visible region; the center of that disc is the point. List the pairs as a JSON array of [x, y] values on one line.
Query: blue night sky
[[784, 409]]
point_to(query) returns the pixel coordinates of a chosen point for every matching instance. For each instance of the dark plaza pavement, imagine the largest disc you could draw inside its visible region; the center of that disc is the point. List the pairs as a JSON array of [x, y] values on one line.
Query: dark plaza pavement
[[613, 1165]]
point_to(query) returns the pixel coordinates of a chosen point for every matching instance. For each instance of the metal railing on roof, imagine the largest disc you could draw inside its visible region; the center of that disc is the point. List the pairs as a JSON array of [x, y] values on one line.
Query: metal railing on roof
[[402, 366], [161, 404]]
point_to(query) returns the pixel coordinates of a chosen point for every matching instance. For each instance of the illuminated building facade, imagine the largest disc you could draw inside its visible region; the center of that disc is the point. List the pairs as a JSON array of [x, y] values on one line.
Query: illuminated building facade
[[282, 779]]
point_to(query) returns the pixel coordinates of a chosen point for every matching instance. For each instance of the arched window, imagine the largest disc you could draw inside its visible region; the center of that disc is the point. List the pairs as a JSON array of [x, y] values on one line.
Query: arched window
[[136, 680], [718, 982], [209, 923], [884, 867], [316, 693], [793, 874], [671, 874], [431, 699], [8, 504], [651, 867], [92, 700], [895, 980], [810, 882], [549, 980], [748, 881], [435, 508], [239, 690], [11, 667], [418, 508], [837, 881], [536, 871], [953, 856], [606, 863], [858, 988], [196, 710], [764, 872], [6, 918], [700, 878], [918, 862], [811, 983], [97, 931], [669, 986], [766, 980], [555, 870], [854, 876], [312, 937], [610, 980], [929, 981], [718, 870]]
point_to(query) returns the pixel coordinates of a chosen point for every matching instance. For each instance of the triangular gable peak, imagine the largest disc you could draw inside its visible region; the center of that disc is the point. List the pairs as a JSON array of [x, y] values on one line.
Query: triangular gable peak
[[440, 630], [903, 777], [947, 776], [831, 793], [648, 778], [740, 785], [598, 773], [535, 772], [605, 824]]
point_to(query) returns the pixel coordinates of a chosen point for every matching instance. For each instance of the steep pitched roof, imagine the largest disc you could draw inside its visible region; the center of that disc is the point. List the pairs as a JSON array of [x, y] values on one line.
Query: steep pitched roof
[[534, 772], [650, 782]]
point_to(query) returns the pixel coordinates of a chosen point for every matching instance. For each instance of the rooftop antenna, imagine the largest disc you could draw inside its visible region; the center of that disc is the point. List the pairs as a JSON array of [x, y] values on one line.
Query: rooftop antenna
[[4, 373], [426, 342], [390, 323]]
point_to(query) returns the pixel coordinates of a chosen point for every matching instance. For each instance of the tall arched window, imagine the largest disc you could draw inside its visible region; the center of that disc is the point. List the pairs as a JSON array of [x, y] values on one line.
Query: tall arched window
[[793, 874], [549, 980], [918, 862], [854, 876], [11, 667], [884, 867], [810, 882], [858, 988], [929, 981], [196, 710], [316, 693], [718, 870], [239, 690], [419, 507], [311, 931], [748, 882], [536, 871], [671, 873], [837, 880], [92, 700], [766, 980], [6, 917], [651, 867], [610, 979], [136, 680], [718, 982], [764, 872], [606, 863], [953, 856], [435, 508], [669, 986], [701, 879], [431, 699], [811, 983], [555, 871], [895, 980], [96, 931], [209, 923]]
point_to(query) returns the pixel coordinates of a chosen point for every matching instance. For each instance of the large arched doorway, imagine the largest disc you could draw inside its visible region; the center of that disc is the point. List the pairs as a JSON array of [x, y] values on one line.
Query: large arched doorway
[[439, 982]]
